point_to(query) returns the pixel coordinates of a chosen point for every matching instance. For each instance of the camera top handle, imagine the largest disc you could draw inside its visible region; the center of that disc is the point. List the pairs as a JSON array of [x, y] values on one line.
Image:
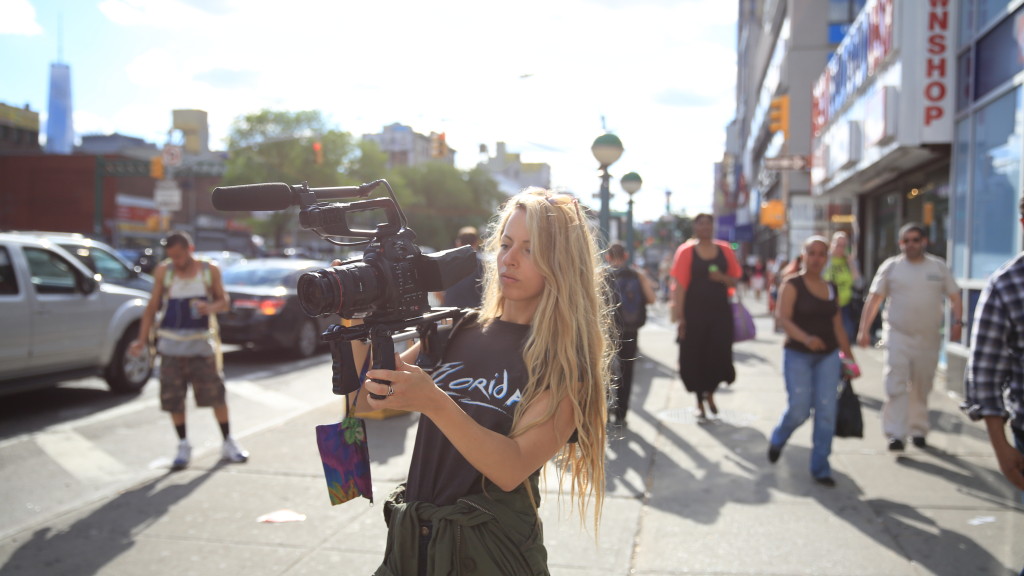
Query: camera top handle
[[323, 218]]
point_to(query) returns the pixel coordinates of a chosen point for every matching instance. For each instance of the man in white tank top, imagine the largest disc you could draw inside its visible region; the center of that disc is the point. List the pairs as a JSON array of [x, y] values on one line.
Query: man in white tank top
[[914, 285], [190, 293]]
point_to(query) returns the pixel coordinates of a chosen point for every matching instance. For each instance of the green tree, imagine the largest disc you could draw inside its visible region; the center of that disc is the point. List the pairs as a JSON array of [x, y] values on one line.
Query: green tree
[[439, 199], [369, 164], [276, 146]]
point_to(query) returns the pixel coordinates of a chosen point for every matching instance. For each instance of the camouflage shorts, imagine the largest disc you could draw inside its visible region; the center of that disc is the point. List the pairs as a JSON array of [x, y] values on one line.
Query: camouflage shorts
[[176, 372]]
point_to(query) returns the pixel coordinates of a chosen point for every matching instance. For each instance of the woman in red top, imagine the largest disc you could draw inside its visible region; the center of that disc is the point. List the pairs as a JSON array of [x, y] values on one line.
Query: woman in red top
[[705, 271]]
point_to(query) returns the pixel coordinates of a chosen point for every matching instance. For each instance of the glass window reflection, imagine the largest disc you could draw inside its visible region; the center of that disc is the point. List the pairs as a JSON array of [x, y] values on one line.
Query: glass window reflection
[[996, 183]]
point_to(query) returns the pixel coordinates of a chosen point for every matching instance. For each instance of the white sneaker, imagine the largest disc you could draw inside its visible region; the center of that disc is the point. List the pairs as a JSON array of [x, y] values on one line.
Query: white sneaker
[[184, 455], [232, 452]]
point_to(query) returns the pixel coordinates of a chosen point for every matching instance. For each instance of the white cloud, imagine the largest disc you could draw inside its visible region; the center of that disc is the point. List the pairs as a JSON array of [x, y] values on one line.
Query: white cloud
[[19, 18], [661, 74]]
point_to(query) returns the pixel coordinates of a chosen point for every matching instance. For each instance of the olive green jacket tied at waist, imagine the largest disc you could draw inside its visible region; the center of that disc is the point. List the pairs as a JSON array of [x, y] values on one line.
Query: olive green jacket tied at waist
[[491, 533]]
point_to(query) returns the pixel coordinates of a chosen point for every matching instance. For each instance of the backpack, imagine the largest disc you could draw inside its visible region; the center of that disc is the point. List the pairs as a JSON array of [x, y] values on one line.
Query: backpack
[[629, 300]]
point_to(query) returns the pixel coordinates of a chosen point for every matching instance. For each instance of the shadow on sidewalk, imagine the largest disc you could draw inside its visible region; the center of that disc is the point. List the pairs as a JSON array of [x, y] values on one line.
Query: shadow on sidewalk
[[983, 483], [701, 490], [894, 525], [110, 530]]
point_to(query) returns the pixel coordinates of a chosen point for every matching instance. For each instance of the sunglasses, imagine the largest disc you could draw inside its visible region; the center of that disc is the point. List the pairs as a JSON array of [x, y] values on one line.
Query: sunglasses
[[565, 201], [562, 200], [912, 239]]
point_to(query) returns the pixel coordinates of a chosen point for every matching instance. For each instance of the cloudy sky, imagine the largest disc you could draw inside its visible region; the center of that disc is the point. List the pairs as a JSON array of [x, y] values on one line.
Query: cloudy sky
[[546, 77]]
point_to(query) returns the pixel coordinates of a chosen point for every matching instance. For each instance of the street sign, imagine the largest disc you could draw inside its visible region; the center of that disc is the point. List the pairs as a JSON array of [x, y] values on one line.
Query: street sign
[[787, 163], [172, 155], [167, 195]]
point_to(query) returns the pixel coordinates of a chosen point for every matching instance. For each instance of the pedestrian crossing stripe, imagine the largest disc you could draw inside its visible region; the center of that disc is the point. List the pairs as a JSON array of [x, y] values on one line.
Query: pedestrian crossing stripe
[[79, 457]]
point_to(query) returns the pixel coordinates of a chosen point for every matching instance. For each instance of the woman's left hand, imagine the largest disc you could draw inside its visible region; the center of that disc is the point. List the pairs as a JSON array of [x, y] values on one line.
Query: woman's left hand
[[410, 389]]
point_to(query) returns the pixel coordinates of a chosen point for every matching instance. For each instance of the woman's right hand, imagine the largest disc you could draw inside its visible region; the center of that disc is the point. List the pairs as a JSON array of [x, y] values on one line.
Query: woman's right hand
[[681, 331], [814, 343], [136, 347]]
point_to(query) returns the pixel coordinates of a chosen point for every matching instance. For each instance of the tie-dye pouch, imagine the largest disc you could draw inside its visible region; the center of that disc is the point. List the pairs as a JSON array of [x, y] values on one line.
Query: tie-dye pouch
[[345, 457]]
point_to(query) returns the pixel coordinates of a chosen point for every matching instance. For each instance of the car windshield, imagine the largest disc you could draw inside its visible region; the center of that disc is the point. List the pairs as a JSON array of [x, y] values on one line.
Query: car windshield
[[243, 275]]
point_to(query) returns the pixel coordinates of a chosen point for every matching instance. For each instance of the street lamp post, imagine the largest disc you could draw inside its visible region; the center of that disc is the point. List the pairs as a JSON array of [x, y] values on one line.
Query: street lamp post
[[607, 148], [631, 184]]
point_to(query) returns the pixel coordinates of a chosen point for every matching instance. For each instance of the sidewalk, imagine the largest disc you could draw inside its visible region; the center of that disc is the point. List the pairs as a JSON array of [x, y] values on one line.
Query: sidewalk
[[682, 498]]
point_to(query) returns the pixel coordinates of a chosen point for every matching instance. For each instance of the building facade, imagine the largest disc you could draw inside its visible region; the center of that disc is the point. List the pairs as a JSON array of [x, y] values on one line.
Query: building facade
[[882, 124], [782, 46], [60, 128], [19, 130], [512, 174], [406, 147]]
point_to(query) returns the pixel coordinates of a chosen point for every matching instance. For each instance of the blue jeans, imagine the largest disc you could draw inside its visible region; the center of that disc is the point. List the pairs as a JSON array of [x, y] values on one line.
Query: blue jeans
[[811, 382]]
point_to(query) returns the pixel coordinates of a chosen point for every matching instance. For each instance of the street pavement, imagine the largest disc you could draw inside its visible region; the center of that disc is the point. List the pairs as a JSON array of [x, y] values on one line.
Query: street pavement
[[682, 497]]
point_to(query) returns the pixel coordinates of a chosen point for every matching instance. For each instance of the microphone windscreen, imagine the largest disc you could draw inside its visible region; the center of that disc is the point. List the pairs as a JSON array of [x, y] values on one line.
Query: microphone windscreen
[[253, 197]]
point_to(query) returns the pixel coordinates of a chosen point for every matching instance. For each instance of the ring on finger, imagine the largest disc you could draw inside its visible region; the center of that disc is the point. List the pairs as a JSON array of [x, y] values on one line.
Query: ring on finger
[[391, 391]]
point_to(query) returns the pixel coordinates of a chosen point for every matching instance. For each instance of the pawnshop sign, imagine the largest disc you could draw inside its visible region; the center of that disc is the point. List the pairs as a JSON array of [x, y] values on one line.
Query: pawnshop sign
[[917, 36], [938, 77]]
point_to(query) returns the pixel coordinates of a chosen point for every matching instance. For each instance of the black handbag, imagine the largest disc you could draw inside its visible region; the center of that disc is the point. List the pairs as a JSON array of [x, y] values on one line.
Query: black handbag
[[849, 422]]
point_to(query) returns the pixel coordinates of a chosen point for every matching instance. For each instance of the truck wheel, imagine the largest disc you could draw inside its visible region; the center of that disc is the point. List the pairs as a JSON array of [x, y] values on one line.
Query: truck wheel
[[127, 374], [307, 340]]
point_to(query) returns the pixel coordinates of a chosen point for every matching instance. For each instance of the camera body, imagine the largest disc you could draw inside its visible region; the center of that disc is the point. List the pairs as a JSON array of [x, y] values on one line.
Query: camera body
[[390, 283]]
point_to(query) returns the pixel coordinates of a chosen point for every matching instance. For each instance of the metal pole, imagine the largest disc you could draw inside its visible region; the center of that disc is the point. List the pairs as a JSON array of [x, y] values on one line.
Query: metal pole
[[97, 215], [605, 199], [629, 229]]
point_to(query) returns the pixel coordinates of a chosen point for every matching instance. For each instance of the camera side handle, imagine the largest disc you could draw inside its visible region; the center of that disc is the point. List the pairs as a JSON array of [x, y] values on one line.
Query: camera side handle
[[345, 378], [382, 349]]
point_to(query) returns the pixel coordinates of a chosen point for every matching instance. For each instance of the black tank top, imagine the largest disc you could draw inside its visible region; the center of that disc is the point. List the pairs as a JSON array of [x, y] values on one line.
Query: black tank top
[[483, 371], [814, 316]]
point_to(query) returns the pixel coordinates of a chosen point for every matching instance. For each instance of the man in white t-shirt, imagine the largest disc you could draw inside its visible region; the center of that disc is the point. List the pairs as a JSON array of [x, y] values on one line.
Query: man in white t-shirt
[[914, 285]]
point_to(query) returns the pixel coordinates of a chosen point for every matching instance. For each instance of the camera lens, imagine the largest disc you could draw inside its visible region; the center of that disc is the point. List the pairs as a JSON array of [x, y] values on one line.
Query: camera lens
[[319, 293], [344, 290]]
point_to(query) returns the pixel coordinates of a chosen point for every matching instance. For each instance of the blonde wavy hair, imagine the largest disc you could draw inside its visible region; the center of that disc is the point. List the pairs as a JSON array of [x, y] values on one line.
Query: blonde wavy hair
[[569, 349]]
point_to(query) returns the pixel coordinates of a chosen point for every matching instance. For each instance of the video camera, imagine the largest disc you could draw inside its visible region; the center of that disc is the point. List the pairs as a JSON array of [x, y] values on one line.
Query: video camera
[[387, 288]]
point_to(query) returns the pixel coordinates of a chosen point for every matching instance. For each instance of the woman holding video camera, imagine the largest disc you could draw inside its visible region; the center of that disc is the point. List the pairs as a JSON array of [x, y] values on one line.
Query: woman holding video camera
[[523, 379]]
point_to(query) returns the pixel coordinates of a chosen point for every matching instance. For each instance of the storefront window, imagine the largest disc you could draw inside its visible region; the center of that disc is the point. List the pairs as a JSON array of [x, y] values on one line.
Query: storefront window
[[886, 226], [928, 203], [961, 151], [989, 10], [996, 183], [999, 55]]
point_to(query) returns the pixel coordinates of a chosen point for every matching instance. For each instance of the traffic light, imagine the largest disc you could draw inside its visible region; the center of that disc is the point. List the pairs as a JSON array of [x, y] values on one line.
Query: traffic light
[[778, 115], [318, 153], [156, 168]]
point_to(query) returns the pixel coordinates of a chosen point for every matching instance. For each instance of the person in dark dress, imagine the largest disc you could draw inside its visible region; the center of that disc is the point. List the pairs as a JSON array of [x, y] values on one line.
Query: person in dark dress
[[705, 273]]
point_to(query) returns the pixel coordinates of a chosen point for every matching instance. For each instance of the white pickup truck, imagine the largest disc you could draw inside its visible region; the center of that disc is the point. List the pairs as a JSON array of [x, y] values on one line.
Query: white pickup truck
[[59, 321]]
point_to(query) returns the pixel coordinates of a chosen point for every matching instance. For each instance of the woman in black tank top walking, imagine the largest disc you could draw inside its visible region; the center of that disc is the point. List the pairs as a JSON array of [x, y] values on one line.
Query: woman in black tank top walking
[[808, 311]]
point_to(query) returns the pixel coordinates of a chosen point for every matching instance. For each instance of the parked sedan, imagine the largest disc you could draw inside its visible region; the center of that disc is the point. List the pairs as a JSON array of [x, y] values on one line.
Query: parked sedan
[[265, 311]]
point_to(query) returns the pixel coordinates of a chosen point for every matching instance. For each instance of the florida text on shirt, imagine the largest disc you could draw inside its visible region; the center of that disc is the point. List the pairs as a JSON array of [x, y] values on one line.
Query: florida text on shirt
[[493, 393]]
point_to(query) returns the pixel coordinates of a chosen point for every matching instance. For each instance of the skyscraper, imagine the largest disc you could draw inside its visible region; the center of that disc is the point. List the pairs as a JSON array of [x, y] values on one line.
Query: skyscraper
[[60, 132]]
